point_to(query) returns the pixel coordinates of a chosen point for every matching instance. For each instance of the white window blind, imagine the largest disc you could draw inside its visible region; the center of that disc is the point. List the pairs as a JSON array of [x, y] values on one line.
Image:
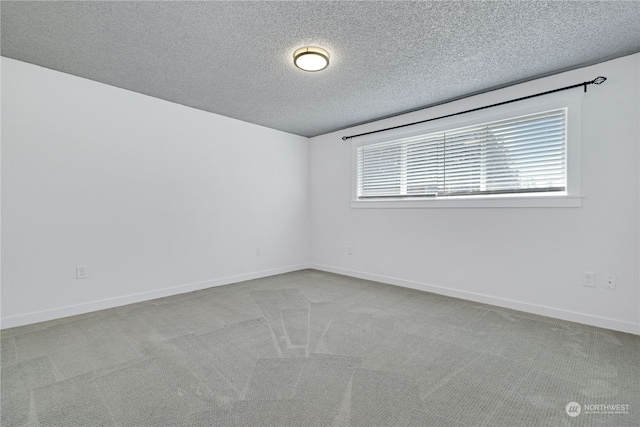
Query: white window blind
[[519, 155]]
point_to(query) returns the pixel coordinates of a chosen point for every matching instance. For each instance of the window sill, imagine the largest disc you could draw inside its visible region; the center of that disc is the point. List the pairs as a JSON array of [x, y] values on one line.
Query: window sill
[[473, 202]]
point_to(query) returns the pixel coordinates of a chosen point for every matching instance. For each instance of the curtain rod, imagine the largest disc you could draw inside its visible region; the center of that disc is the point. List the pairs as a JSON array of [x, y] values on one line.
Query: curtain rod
[[597, 81]]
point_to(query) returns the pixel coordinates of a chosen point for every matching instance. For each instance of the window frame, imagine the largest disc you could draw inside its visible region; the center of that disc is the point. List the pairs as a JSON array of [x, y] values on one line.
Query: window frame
[[571, 197]]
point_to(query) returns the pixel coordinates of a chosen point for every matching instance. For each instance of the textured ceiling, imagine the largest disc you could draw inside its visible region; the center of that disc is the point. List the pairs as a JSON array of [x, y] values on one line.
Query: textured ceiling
[[235, 58]]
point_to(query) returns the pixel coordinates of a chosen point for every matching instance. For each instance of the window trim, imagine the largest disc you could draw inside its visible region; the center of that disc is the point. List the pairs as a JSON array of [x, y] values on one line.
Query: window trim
[[571, 197]]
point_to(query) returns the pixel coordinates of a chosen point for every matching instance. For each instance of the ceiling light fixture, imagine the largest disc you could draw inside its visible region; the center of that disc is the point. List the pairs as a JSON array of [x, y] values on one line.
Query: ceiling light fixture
[[311, 58]]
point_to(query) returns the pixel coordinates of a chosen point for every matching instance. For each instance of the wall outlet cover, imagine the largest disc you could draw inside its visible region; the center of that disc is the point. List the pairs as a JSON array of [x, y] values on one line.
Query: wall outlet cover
[[82, 272], [589, 279]]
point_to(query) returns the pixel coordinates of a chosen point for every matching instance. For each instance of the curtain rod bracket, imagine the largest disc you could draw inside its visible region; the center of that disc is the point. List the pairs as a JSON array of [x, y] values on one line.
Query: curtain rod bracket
[[597, 81]]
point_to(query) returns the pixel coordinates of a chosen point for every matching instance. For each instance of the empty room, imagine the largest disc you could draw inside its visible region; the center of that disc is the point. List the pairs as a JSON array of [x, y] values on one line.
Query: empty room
[[320, 213]]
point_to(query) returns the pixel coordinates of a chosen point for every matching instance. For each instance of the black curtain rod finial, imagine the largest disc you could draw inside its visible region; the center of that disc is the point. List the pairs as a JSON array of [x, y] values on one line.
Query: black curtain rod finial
[[598, 80]]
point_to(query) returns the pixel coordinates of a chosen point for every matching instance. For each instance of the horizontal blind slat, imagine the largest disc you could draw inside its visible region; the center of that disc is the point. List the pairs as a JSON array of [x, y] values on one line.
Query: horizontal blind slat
[[520, 154]]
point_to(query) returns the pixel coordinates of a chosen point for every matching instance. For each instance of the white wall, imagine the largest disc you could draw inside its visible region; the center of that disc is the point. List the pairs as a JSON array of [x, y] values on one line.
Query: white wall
[[529, 259], [155, 198]]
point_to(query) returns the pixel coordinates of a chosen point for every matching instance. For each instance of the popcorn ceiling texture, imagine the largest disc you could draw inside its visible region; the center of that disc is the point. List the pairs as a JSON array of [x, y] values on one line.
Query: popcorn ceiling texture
[[314, 349], [235, 58]]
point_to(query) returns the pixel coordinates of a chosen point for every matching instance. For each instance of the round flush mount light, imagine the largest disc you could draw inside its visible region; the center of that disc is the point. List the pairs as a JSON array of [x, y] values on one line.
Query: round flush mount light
[[311, 58]]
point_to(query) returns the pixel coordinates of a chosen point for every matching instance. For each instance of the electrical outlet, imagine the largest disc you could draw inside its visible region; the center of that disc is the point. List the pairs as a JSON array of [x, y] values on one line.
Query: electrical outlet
[[82, 272], [257, 251], [349, 250], [589, 279], [610, 281]]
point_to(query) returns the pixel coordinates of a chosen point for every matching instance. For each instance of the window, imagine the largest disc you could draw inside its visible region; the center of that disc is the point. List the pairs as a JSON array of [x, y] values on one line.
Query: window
[[516, 156]]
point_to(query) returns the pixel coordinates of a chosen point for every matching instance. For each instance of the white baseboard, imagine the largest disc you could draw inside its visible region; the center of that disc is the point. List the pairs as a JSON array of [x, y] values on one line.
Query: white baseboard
[[72, 310], [587, 319]]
